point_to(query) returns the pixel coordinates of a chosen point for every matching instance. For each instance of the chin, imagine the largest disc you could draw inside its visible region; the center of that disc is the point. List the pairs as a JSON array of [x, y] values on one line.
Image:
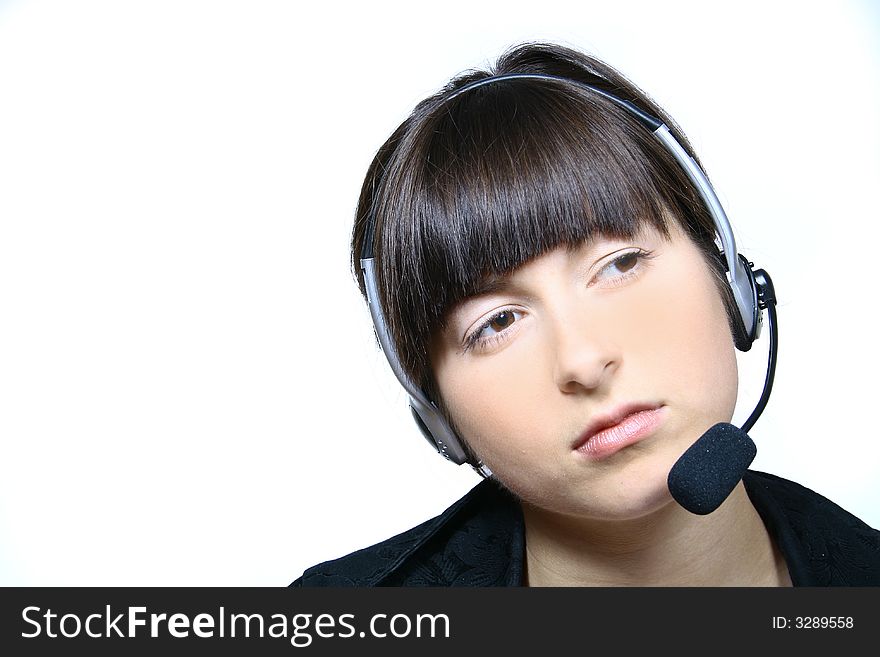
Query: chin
[[636, 491], [645, 502], [615, 499], [632, 489]]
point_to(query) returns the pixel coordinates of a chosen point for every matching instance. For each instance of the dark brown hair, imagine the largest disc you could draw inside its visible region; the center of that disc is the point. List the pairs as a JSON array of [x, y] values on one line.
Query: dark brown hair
[[479, 184]]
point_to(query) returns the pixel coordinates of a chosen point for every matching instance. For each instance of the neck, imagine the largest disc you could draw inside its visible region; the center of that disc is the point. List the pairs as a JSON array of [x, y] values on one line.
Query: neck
[[669, 547]]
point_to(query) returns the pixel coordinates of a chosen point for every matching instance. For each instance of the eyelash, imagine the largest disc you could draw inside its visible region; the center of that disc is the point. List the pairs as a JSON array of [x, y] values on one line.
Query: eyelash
[[474, 339]]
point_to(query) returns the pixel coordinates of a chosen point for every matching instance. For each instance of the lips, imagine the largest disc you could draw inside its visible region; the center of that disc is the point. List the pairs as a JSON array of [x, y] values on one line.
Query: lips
[[611, 418]]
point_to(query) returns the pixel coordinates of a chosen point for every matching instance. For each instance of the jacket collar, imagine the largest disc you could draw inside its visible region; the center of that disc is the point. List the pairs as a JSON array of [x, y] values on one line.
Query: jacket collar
[[479, 541]]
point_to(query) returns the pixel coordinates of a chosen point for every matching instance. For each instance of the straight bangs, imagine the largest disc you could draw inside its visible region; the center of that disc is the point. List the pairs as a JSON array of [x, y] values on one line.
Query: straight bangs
[[497, 177]]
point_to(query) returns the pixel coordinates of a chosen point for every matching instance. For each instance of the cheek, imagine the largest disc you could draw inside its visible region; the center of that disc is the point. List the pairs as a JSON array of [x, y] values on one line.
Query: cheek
[[494, 405], [684, 335]]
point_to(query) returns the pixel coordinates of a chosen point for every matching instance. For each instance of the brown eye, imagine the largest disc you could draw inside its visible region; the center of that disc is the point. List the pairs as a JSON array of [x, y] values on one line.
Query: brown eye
[[501, 321], [493, 328], [626, 262], [624, 267]]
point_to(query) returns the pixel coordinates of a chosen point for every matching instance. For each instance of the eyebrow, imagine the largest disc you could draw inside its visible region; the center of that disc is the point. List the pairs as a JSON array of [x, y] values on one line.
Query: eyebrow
[[494, 283], [490, 284]]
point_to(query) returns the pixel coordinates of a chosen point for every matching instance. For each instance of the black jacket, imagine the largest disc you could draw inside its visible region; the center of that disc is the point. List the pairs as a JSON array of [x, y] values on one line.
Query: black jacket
[[479, 541]]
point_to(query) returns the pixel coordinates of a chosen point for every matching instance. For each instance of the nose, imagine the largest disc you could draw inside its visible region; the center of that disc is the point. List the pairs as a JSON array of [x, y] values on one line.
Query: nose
[[585, 352]]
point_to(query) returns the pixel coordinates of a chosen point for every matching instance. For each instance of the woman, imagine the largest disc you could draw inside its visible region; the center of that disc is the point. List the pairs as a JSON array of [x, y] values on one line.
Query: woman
[[547, 282]]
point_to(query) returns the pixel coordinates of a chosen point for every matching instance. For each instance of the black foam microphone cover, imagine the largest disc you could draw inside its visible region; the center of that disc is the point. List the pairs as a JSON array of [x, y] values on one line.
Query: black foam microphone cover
[[711, 468]]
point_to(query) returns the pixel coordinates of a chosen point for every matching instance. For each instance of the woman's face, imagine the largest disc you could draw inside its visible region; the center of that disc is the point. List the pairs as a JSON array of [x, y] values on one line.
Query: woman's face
[[525, 367]]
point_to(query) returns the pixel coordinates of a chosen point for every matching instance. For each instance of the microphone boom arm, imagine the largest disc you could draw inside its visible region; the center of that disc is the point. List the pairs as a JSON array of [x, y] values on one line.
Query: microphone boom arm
[[766, 300]]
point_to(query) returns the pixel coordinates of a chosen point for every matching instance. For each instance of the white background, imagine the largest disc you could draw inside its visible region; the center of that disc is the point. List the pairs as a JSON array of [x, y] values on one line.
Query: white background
[[189, 390]]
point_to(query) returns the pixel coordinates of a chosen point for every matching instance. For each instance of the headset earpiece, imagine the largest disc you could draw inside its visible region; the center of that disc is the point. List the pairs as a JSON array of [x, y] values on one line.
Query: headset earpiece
[[748, 328], [760, 292]]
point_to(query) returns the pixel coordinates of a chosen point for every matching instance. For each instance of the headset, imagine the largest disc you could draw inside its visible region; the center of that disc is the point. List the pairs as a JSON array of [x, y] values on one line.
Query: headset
[[752, 289]]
